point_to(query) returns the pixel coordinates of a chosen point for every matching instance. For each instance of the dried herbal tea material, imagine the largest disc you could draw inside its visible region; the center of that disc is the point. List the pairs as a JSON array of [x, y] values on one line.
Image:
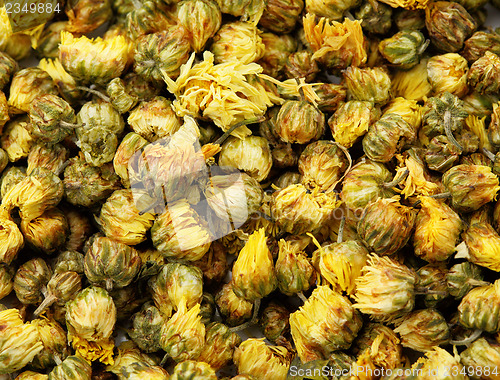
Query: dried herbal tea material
[[55, 344], [233, 309], [220, 345], [73, 367], [478, 308], [146, 328], [31, 280], [192, 369]]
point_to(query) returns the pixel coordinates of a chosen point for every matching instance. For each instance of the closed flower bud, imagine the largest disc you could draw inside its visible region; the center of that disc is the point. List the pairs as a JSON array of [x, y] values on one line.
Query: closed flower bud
[[325, 323], [367, 84], [409, 110], [446, 366], [297, 211], [301, 65], [19, 342], [375, 20], [8, 66], [201, 18], [233, 309], [441, 154], [412, 84], [482, 354], [16, 139], [146, 328], [351, 121], [277, 49], [61, 288], [87, 15], [26, 86], [284, 156], [79, 228], [94, 61], [48, 43], [11, 240], [471, 186], [177, 283], [120, 220], [193, 370], [386, 225], [31, 280], [403, 49], [299, 122], [98, 145], [6, 280], [482, 248], [256, 160], [388, 136], [73, 367], [365, 183], [121, 99], [274, 322], [385, 290], [219, 346], [214, 264], [322, 165], [432, 278], [183, 335], [130, 144], [99, 114], [294, 272], [462, 278], [437, 230], [238, 41], [333, 10], [68, 261], [256, 358], [480, 42], [448, 73], [55, 344], [331, 96], [479, 308], [30, 375], [90, 319], [254, 276], [161, 52], [281, 16], [48, 232], [207, 308], [110, 263], [52, 157], [485, 73], [423, 329]]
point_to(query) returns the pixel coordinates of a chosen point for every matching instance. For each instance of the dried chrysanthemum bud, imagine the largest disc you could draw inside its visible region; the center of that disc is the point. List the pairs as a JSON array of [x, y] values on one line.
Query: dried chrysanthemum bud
[[237, 41], [55, 345], [485, 73], [111, 263], [127, 300], [161, 52], [8, 66], [281, 16], [48, 43], [51, 157], [79, 229], [90, 319], [254, 276], [207, 308], [412, 84], [437, 230], [444, 114], [365, 183], [333, 10], [325, 323], [19, 342], [251, 154], [404, 49], [441, 364], [448, 73], [195, 370], [294, 272], [386, 289], [462, 278], [99, 114], [388, 136], [48, 232], [330, 95], [480, 42], [441, 154], [121, 99], [432, 279], [61, 288], [287, 179], [471, 186], [448, 25], [68, 261], [233, 309], [219, 346], [214, 264], [28, 84], [64, 82], [180, 233], [6, 280], [120, 220], [146, 328], [176, 283], [484, 355], [85, 185], [98, 145], [254, 357], [274, 322], [386, 225], [351, 121], [276, 51], [38, 192], [11, 240], [87, 15], [94, 61], [31, 280], [375, 19], [409, 110], [301, 65], [423, 329], [479, 308], [299, 122], [201, 18], [367, 84], [16, 139], [183, 335], [30, 375], [298, 211], [130, 144], [322, 164], [4, 110], [481, 241], [73, 367]]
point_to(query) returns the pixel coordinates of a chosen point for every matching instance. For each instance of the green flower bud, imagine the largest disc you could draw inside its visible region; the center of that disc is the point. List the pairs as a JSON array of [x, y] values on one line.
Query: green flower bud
[[479, 308], [449, 25], [373, 85], [98, 145], [333, 10], [122, 100], [207, 308], [201, 18], [281, 16], [331, 96], [73, 367], [294, 272], [31, 280], [481, 354], [462, 278], [233, 309], [404, 48], [432, 277], [27, 85], [443, 115], [55, 344], [448, 73], [274, 322], [277, 50], [301, 65], [99, 114], [299, 122], [440, 154], [148, 17], [485, 73], [219, 347], [480, 42], [193, 370], [68, 261], [61, 288], [375, 20], [146, 328]]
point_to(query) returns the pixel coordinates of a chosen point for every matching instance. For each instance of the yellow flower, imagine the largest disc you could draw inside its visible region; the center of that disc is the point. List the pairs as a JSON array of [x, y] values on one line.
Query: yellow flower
[[219, 92], [253, 272], [409, 110], [16, 140], [416, 182], [407, 4], [412, 84], [95, 61], [5, 27], [65, 82], [257, 359], [482, 246], [339, 45], [448, 73], [478, 127], [440, 365], [11, 240]]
